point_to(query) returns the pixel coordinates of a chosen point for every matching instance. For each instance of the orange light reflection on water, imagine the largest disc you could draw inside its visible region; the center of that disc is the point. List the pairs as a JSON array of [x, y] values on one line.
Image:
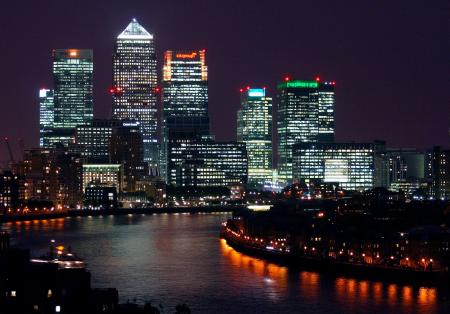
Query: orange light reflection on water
[[271, 273]]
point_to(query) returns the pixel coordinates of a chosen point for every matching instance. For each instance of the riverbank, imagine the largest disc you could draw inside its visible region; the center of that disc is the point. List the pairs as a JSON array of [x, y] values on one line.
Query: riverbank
[[323, 265], [118, 211]]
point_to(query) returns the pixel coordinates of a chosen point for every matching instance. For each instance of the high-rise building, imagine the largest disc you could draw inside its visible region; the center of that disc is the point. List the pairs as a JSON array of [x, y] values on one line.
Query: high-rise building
[[326, 98], [46, 115], [305, 114], [134, 87], [185, 98], [254, 128], [350, 165], [185, 89], [73, 91], [439, 170]]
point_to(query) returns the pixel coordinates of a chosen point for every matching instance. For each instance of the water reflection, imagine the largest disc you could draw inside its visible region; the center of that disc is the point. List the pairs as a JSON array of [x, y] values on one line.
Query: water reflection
[[178, 258], [349, 293]]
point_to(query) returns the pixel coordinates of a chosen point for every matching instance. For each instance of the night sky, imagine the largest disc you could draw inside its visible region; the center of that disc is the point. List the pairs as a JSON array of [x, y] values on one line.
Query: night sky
[[390, 59]]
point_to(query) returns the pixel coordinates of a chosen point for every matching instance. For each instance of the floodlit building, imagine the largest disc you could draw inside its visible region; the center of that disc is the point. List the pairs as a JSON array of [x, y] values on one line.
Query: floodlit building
[[254, 128], [134, 89], [350, 165], [102, 175]]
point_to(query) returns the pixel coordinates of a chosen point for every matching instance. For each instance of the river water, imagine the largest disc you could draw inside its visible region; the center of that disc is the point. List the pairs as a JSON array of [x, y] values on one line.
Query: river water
[[178, 258]]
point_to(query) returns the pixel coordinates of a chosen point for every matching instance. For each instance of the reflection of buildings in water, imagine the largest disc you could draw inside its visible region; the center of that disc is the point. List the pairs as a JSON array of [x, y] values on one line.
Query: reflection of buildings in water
[[274, 276], [309, 285], [401, 298], [36, 225]]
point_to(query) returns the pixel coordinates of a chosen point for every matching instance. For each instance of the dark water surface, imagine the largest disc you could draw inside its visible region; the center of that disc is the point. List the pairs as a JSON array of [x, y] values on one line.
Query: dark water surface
[[179, 258]]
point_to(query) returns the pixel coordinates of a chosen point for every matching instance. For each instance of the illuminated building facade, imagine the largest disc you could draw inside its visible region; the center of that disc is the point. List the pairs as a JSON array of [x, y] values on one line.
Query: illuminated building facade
[[185, 84], [93, 140], [134, 89], [51, 175], [326, 99], [305, 114], [254, 128], [185, 98], [439, 171], [351, 165], [73, 91], [102, 175], [46, 115], [208, 163]]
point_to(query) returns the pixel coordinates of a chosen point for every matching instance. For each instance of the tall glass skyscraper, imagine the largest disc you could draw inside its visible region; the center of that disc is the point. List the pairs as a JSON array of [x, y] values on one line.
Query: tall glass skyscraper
[[254, 128], [185, 90], [326, 97], [305, 114], [185, 100], [46, 114], [134, 87], [73, 83]]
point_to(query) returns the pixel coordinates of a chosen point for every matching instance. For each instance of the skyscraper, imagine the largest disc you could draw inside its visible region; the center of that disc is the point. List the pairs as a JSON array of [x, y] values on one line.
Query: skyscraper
[[305, 114], [185, 100], [254, 128], [326, 98], [134, 87], [46, 115], [185, 90], [73, 83]]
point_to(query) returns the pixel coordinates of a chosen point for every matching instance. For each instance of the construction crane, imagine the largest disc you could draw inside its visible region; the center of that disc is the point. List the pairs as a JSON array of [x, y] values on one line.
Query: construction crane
[[22, 147], [11, 156]]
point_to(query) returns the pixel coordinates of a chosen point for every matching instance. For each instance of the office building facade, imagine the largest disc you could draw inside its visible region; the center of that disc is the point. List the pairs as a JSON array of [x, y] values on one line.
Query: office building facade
[[305, 114], [350, 165], [254, 128], [208, 163], [73, 91], [127, 149], [94, 140], [185, 99], [46, 115], [102, 175], [134, 89]]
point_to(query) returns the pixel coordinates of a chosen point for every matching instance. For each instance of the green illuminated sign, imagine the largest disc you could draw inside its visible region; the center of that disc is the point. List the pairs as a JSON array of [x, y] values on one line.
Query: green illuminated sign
[[298, 84]]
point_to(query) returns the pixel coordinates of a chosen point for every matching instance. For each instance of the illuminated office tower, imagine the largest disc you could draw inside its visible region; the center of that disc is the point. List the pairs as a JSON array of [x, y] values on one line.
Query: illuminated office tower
[[298, 113], [305, 114], [46, 115], [185, 90], [73, 99], [135, 85], [326, 98], [254, 128], [185, 99]]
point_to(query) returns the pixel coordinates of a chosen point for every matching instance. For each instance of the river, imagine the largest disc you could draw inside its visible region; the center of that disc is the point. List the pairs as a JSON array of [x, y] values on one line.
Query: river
[[178, 258]]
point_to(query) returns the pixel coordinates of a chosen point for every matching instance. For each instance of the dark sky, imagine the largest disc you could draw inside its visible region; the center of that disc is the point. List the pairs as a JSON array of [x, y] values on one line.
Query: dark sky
[[390, 59]]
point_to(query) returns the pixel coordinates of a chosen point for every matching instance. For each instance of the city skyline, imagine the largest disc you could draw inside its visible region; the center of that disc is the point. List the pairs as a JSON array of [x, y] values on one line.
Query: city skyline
[[401, 110]]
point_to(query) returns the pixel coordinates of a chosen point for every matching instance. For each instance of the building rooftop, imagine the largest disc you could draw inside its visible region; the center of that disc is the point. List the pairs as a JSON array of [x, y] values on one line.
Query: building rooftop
[[135, 30]]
